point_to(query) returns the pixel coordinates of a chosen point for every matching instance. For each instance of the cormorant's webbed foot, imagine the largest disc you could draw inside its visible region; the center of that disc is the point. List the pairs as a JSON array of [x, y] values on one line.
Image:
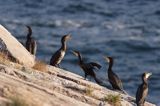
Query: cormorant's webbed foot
[[89, 78], [85, 76], [58, 65]]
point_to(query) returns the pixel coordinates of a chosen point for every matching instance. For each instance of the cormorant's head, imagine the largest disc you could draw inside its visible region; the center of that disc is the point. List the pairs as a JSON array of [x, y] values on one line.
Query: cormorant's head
[[108, 59], [76, 53], [66, 37], [29, 30], [146, 75]]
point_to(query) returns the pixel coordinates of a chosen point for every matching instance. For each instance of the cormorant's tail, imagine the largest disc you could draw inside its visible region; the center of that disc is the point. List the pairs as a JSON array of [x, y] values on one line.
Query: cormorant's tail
[[98, 81], [124, 92], [121, 90]]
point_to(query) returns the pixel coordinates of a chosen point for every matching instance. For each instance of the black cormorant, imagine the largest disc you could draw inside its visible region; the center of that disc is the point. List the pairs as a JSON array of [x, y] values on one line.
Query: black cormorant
[[88, 68], [112, 77], [58, 55], [142, 90], [31, 44]]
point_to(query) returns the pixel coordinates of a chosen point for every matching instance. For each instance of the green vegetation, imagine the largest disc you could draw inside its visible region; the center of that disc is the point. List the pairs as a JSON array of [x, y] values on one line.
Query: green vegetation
[[88, 91], [114, 100]]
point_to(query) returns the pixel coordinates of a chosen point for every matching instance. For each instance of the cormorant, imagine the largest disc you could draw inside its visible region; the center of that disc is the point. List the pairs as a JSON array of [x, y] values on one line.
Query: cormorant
[[31, 44], [58, 55], [112, 77], [87, 67], [142, 90]]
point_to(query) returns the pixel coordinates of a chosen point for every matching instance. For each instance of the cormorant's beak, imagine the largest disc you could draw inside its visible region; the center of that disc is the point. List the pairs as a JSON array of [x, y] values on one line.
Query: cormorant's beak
[[75, 53], [148, 75], [106, 58], [68, 36]]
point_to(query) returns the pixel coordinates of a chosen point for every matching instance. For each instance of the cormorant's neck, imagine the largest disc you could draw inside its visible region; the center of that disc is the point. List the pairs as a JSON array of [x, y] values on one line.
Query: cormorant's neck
[[80, 58], [29, 35], [110, 66], [64, 46], [145, 81]]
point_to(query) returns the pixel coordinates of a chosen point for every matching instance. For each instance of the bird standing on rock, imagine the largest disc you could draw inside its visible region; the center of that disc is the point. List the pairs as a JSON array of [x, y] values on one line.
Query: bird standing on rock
[[31, 44], [112, 77], [88, 68], [59, 55], [142, 90]]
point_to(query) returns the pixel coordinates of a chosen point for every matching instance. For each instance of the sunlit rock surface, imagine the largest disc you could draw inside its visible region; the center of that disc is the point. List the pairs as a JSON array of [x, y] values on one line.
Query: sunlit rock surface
[[49, 87], [53, 87], [15, 50]]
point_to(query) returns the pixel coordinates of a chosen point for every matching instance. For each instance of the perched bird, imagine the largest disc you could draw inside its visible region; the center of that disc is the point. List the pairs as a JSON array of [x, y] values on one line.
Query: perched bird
[[112, 77], [59, 55], [88, 68], [31, 44], [142, 90]]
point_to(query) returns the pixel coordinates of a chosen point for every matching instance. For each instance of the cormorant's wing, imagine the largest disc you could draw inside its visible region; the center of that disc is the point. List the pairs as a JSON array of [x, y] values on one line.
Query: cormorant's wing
[[34, 47], [28, 45], [95, 65], [55, 58], [116, 81], [141, 94]]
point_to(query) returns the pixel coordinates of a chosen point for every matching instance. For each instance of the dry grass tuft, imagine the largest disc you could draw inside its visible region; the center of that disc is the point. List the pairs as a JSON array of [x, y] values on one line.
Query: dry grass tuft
[[4, 59], [17, 66], [40, 66], [114, 100], [16, 101]]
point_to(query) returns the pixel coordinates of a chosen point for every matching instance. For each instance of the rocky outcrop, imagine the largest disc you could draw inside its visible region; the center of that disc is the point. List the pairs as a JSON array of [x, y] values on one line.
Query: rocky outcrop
[[53, 87], [47, 86], [13, 49]]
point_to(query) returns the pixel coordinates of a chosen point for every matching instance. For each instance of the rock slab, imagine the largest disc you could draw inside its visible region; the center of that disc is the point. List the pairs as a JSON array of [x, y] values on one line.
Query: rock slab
[[55, 87], [14, 49]]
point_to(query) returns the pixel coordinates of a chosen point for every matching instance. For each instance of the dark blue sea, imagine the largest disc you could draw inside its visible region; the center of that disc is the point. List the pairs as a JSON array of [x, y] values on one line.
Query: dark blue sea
[[128, 30]]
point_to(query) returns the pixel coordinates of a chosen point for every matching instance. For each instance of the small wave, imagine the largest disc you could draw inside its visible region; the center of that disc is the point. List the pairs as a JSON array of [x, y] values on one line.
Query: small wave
[[113, 25], [68, 23], [76, 8], [131, 46], [63, 23], [89, 8]]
